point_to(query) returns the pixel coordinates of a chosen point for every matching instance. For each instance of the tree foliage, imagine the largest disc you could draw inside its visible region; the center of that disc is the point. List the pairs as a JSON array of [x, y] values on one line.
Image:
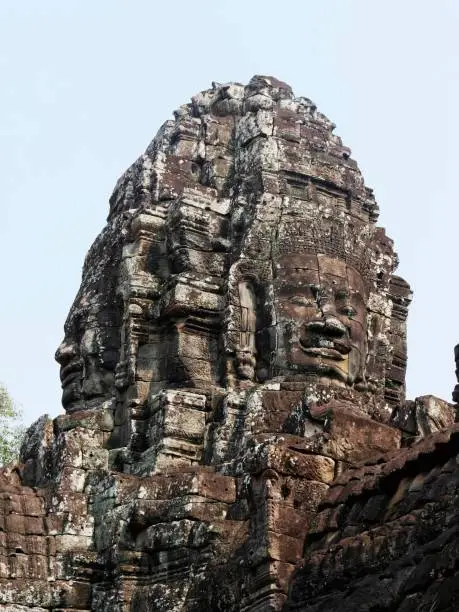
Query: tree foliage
[[11, 428]]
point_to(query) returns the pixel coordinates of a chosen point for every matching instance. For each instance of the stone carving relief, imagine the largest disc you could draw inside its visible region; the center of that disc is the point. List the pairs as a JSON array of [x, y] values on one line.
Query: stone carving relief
[[238, 339], [246, 357]]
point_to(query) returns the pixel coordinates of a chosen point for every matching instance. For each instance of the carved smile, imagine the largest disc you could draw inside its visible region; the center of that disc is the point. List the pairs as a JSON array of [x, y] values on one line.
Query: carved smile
[[322, 347], [71, 372]]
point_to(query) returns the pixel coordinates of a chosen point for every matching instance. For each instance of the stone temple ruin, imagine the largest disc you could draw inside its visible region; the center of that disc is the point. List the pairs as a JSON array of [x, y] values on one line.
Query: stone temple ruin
[[236, 435]]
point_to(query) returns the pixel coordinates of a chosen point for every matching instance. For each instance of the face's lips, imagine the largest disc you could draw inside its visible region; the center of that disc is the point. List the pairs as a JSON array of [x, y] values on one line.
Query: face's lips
[[71, 394], [70, 372], [324, 347], [324, 352]]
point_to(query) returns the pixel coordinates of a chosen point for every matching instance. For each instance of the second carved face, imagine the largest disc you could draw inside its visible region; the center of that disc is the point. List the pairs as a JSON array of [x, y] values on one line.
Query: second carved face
[[87, 356], [321, 305]]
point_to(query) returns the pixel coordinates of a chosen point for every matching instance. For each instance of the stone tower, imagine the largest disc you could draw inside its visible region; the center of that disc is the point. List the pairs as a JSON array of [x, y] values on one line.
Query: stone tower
[[238, 341]]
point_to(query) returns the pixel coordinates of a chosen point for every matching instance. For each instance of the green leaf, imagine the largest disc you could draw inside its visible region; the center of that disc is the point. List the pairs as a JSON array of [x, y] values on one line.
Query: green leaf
[[12, 429]]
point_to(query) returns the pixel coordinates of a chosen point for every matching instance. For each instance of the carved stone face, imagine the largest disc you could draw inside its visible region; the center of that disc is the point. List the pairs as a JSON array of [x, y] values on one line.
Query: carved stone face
[[321, 309], [87, 363]]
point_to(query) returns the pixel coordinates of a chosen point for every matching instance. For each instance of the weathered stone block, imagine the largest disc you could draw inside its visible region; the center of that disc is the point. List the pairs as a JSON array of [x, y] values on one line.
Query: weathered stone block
[[307, 494], [179, 422], [351, 436], [282, 518], [190, 506], [72, 543], [97, 420], [278, 547], [199, 482], [72, 479], [433, 414], [72, 594], [94, 459], [298, 465], [354, 439]]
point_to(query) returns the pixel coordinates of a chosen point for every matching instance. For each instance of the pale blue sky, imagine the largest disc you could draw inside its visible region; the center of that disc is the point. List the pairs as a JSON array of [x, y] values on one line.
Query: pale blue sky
[[85, 85]]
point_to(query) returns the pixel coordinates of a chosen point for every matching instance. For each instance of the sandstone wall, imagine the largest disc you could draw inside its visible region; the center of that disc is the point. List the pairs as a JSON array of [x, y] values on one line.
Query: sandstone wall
[[386, 536]]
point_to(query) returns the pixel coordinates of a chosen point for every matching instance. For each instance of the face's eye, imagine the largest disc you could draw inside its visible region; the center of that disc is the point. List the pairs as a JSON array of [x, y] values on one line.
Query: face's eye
[[318, 293], [302, 301], [348, 311]]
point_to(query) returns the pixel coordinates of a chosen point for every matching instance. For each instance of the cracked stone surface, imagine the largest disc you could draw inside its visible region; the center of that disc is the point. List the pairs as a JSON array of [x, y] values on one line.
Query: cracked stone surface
[[237, 345]]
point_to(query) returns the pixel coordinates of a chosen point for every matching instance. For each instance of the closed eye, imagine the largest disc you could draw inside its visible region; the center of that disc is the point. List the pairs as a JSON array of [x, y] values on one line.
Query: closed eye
[[302, 301], [348, 311]]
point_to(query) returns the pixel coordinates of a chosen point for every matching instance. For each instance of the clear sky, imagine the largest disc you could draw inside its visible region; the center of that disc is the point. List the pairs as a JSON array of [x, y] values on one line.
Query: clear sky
[[85, 84]]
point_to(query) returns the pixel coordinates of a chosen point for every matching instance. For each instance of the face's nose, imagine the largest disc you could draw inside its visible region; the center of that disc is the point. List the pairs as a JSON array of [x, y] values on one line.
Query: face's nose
[[66, 351]]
